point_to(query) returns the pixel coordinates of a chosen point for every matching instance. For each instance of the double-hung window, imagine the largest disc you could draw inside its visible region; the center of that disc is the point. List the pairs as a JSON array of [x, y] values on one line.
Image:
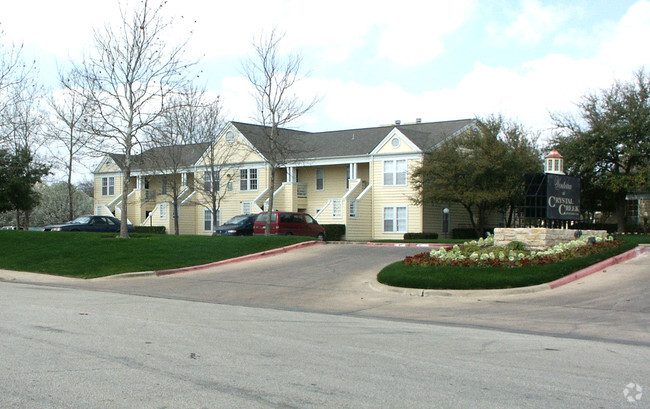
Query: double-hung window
[[247, 179], [108, 186], [395, 172], [207, 219], [320, 178], [209, 183], [395, 219]]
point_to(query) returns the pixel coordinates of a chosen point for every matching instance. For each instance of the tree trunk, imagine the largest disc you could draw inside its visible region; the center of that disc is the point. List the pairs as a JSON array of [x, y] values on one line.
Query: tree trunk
[[176, 232], [470, 213], [267, 231], [70, 190], [620, 213], [126, 184]]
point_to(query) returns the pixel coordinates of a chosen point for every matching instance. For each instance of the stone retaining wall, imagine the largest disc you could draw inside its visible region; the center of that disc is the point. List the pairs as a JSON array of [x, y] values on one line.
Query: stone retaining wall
[[539, 238]]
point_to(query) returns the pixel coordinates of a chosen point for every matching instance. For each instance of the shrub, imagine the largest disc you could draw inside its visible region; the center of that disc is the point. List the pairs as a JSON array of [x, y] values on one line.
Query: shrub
[[420, 236], [464, 233], [150, 229], [334, 232], [516, 245]]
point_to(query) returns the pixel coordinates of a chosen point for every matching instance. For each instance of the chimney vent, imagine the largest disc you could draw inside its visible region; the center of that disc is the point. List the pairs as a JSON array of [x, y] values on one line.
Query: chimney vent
[[398, 122], [418, 120]]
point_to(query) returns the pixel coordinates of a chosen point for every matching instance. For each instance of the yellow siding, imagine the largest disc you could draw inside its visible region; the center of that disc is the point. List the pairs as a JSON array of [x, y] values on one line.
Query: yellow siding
[[334, 186], [360, 227], [99, 199], [108, 166], [393, 196], [389, 149], [187, 221], [237, 152]]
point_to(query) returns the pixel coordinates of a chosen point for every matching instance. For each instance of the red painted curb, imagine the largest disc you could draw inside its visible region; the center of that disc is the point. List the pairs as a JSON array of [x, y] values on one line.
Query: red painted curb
[[425, 245], [238, 259], [597, 267]]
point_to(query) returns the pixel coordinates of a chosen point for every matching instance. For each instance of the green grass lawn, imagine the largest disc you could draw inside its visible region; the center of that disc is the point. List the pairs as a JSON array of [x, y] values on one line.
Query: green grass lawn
[[472, 278], [90, 255]]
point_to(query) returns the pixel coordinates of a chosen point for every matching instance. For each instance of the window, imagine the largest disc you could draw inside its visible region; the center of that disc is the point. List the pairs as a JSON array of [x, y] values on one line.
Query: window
[[395, 172], [336, 207], [246, 208], [395, 219], [230, 137], [108, 186], [163, 210], [320, 178], [163, 190], [347, 176], [353, 208], [207, 220], [209, 183], [247, 179]]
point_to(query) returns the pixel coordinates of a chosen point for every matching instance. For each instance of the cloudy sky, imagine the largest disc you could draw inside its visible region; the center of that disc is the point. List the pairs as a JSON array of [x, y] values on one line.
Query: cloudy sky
[[373, 62]]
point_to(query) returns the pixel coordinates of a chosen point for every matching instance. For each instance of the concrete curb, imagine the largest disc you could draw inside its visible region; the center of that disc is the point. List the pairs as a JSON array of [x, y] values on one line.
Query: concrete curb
[[598, 267], [519, 290], [238, 259], [424, 245]]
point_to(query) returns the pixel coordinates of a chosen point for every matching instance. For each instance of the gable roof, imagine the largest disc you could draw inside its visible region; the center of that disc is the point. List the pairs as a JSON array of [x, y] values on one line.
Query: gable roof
[[352, 142], [303, 145]]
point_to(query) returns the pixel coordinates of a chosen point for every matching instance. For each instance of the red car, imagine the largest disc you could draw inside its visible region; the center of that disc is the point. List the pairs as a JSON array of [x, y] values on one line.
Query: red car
[[289, 223]]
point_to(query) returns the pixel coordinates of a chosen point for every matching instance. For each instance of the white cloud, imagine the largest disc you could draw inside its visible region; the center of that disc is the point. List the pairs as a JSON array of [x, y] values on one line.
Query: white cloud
[[534, 22]]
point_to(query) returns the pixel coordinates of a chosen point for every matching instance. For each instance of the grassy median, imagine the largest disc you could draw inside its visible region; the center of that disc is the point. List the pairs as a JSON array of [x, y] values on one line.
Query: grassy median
[[474, 278], [91, 255]]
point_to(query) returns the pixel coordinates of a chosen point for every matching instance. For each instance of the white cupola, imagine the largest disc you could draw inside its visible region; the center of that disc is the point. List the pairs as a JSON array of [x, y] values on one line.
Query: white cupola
[[554, 163]]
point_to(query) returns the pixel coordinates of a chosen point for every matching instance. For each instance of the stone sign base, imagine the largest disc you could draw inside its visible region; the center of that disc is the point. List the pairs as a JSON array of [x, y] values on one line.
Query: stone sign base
[[540, 238]]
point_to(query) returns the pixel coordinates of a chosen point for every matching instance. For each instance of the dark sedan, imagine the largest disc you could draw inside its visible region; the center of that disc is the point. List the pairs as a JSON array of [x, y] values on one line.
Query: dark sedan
[[241, 225], [90, 223]]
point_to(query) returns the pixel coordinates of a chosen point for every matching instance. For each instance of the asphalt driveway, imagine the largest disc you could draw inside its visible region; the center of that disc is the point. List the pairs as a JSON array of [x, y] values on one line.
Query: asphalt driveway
[[611, 305]]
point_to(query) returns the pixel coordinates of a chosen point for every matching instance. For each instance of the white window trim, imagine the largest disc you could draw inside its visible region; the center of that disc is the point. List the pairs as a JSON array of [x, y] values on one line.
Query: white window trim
[[164, 210], [406, 220], [110, 187], [206, 213], [337, 204], [248, 204], [352, 208], [393, 181], [248, 179], [209, 212]]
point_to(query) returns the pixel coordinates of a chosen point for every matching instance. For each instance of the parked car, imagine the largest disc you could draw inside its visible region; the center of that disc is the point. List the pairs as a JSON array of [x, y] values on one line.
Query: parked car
[[241, 225], [289, 223], [90, 223], [9, 228]]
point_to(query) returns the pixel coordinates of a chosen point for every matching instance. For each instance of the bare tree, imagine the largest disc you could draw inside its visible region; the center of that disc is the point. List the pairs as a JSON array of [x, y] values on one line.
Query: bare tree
[[221, 160], [274, 78], [171, 146], [15, 76], [127, 81], [66, 129]]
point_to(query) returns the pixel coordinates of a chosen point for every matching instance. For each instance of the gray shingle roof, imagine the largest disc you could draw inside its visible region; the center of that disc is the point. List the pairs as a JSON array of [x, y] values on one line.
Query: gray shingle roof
[[304, 145], [180, 156], [353, 142]]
